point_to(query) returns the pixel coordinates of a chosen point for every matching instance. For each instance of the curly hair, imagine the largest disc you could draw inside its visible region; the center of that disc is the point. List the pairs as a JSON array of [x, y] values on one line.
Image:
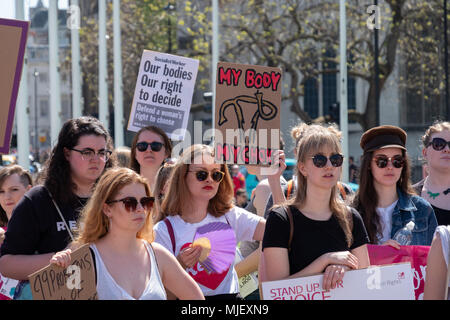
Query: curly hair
[[56, 175]]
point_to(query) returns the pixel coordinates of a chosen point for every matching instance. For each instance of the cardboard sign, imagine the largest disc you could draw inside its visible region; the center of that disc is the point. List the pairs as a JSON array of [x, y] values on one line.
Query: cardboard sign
[[415, 255], [247, 283], [247, 113], [76, 282], [393, 282], [13, 37], [163, 93]]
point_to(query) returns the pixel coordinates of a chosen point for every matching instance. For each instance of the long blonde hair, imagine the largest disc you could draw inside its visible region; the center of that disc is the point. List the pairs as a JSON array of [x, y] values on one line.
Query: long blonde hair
[[314, 139], [178, 194], [93, 223]]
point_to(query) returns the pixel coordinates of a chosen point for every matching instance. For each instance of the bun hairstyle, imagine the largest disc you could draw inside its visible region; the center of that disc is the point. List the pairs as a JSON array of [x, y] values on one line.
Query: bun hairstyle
[[313, 139]]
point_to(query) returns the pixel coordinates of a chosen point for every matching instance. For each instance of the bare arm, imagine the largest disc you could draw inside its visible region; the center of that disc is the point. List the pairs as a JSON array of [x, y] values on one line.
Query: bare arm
[[274, 179], [249, 264], [174, 277], [436, 277], [19, 267]]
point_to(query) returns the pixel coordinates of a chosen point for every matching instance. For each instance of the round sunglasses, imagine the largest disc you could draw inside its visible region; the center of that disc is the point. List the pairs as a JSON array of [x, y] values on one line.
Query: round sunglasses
[[382, 161], [155, 146], [202, 175], [320, 160], [439, 144], [131, 203]]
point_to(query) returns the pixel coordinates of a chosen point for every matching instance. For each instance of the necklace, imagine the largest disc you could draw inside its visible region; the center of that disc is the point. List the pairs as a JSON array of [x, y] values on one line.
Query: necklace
[[434, 195]]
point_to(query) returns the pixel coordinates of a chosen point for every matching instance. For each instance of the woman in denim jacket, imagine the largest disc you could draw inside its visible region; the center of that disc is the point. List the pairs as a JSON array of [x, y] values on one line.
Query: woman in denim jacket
[[385, 199]]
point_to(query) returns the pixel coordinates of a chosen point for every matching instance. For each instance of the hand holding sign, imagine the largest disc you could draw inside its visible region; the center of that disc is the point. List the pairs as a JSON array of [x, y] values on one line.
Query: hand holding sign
[[76, 282]]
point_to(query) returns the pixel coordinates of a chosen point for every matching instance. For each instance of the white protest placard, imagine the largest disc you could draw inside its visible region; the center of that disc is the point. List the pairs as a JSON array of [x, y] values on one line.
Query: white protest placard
[[163, 93], [390, 282]]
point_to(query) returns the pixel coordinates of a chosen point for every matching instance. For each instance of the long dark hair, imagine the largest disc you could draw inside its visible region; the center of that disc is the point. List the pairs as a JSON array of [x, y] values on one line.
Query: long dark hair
[[366, 198], [134, 164], [57, 176]]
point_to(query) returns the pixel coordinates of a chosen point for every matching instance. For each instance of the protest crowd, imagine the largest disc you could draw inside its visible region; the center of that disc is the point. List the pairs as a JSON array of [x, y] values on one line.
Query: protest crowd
[[232, 220], [146, 213]]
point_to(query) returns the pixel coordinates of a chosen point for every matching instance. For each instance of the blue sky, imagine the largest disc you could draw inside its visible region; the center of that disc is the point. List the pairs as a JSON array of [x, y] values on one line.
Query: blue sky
[[7, 7]]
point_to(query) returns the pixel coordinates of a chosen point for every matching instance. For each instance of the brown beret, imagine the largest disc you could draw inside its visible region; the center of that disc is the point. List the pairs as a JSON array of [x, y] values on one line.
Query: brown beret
[[383, 137]]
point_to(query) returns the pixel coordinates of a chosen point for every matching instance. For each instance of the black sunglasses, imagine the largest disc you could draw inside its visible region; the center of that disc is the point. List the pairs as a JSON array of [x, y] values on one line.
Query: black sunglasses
[[131, 203], [320, 160], [382, 161], [155, 146], [438, 144], [202, 175]]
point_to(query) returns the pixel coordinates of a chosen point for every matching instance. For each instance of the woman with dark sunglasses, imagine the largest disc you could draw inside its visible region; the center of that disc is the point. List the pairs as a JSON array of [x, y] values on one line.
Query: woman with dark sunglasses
[[385, 197], [117, 224], [201, 193], [435, 188], [314, 232], [150, 148]]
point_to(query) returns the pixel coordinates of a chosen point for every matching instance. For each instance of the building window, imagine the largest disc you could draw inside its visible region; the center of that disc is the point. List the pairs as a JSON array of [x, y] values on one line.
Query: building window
[[311, 99], [43, 106]]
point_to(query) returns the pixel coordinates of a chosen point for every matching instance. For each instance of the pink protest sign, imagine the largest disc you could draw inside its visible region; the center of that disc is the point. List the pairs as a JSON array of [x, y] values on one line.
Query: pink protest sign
[[416, 255], [13, 38]]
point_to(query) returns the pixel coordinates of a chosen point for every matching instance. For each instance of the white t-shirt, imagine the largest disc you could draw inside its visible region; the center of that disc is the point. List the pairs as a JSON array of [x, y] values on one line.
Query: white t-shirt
[[243, 223], [385, 215]]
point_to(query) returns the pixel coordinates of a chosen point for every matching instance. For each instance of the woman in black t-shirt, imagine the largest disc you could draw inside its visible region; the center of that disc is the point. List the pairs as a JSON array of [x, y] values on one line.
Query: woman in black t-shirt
[[37, 230], [327, 235]]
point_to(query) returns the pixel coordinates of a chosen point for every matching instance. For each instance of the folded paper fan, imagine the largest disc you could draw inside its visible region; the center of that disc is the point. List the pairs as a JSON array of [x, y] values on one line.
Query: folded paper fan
[[219, 246]]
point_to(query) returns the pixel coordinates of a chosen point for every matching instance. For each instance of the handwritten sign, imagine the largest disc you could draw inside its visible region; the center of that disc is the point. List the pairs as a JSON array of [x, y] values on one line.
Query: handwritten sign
[[247, 113], [13, 36], [163, 93], [392, 282], [76, 282]]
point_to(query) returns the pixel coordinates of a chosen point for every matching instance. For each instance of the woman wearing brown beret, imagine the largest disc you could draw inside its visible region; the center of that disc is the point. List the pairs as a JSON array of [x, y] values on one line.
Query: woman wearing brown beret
[[385, 198]]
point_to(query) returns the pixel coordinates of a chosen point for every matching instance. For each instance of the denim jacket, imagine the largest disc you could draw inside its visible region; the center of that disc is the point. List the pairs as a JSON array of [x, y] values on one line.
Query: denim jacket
[[414, 208]]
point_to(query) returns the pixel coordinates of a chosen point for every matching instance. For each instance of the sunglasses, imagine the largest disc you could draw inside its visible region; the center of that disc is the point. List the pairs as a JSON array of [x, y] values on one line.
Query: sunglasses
[[202, 175], [439, 144], [320, 160], [131, 203], [382, 161], [143, 146]]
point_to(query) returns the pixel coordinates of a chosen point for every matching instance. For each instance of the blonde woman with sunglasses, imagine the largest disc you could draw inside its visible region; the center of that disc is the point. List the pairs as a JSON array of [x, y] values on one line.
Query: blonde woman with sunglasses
[[201, 192], [117, 224], [315, 232], [385, 197]]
